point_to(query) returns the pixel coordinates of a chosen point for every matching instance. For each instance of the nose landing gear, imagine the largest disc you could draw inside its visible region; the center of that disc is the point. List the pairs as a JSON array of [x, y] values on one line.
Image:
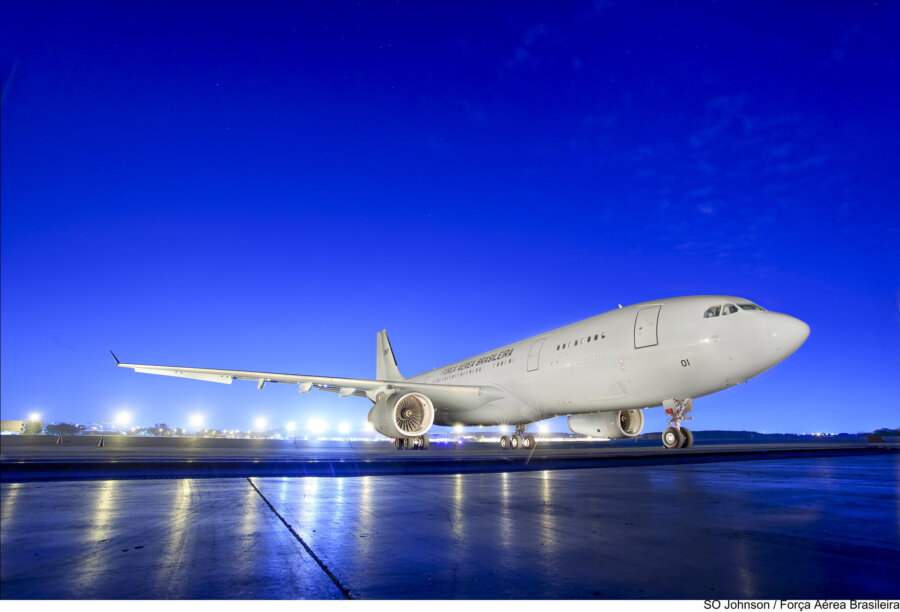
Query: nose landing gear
[[676, 436]]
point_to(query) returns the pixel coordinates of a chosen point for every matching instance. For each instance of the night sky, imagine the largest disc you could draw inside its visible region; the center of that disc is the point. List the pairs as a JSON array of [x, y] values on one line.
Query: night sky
[[192, 184]]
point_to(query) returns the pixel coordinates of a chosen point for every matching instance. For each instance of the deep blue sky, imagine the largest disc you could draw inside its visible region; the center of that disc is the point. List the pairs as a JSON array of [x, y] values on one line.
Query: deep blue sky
[[228, 187]]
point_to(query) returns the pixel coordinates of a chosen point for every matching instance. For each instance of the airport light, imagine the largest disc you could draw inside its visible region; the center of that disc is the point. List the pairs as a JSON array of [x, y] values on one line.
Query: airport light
[[543, 428], [369, 426], [123, 418], [34, 416], [504, 429], [458, 429], [290, 427], [196, 420], [260, 423], [316, 426], [344, 428]]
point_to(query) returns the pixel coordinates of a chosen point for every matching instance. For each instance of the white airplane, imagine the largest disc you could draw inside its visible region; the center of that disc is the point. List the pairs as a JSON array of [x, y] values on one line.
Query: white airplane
[[602, 372]]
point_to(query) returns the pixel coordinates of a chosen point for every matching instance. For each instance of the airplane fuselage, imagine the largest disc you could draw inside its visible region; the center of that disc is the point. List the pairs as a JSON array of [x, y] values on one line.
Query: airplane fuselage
[[629, 358]]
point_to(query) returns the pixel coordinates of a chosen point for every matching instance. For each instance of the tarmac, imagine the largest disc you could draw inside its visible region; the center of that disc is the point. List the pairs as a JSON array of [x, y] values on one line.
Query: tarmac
[[756, 521]]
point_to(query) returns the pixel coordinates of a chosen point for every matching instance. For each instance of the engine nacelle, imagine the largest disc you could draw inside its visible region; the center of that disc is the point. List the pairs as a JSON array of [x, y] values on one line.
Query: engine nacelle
[[613, 424], [402, 415]]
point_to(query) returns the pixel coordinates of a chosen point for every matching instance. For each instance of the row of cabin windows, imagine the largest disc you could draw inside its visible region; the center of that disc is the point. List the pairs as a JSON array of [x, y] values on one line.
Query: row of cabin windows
[[565, 345], [727, 309]]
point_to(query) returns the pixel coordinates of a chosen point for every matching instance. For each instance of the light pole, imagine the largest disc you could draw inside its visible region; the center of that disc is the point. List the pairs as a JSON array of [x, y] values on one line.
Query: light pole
[[123, 418], [260, 424], [290, 427]]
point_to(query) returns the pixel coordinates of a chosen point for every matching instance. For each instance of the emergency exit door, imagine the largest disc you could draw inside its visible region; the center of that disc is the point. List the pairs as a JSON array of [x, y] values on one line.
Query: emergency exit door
[[645, 327]]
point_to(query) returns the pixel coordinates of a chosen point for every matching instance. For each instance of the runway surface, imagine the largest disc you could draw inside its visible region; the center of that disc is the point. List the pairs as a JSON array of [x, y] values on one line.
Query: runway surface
[[39, 458], [803, 527]]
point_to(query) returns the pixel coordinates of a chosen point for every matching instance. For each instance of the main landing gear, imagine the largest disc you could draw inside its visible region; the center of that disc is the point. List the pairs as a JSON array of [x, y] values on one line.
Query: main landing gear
[[517, 441], [417, 443], [676, 436]]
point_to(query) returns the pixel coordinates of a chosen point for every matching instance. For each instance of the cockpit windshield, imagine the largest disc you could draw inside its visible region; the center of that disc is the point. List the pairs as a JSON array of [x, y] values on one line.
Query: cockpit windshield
[[712, 311], [727, 309]]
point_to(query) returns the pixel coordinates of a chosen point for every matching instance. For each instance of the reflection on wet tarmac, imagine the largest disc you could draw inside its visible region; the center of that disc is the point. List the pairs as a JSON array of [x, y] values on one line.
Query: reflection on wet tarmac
[[503, 512], [174, 539], [7, 510], [98, 542], [365, 515], [337, 508], [738, 530], [548, 521], [457, 519]]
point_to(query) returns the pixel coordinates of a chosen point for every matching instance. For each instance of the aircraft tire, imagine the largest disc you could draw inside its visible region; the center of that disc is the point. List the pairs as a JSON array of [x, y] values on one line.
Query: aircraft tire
[[504, 442], [672, 438], [399, 443], [515, 442], [688, 437], [425, 443], [529, 442]]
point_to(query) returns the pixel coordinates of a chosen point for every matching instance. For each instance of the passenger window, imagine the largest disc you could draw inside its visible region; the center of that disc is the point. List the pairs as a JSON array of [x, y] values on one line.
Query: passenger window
[[729, 309], [712, 311], [595, 336]]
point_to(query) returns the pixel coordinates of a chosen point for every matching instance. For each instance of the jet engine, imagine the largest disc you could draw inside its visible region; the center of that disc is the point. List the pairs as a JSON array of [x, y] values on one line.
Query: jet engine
[[402, 415], [612, 424]]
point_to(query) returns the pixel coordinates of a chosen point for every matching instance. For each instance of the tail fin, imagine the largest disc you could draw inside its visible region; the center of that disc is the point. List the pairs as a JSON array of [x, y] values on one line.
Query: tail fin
[[386, 364]]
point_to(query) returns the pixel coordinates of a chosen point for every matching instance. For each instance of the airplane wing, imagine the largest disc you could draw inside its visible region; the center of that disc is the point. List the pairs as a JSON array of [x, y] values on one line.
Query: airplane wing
[[463, 397]]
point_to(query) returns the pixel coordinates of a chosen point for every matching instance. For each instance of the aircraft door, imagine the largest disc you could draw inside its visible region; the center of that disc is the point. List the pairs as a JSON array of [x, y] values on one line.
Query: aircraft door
[[534, 355], [645, 327]]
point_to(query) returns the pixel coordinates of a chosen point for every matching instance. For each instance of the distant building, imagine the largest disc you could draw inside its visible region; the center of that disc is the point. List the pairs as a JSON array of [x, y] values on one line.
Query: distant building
[[12, 427]]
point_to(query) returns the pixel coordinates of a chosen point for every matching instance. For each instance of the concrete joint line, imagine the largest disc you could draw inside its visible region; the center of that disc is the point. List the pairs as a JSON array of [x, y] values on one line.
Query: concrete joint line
[[344, 590]]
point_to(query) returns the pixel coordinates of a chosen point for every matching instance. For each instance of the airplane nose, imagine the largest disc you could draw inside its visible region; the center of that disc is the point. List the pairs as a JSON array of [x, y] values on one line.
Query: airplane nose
[[787, 333]]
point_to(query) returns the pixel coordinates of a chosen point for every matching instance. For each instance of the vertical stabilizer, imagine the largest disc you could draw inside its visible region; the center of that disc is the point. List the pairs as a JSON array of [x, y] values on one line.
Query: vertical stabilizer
[[386, 364]]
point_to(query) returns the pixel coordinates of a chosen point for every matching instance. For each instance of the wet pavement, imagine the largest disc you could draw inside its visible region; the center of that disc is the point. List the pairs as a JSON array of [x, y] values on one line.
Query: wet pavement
[[801, 528], [38, 458]]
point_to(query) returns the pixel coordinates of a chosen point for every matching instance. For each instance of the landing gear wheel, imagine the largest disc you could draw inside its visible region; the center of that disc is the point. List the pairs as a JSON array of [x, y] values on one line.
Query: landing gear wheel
[[515, 442], [672, 438], [417, 443], [504, 442], [677, 410], [398, 443], [425, 444], [529, 442]]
